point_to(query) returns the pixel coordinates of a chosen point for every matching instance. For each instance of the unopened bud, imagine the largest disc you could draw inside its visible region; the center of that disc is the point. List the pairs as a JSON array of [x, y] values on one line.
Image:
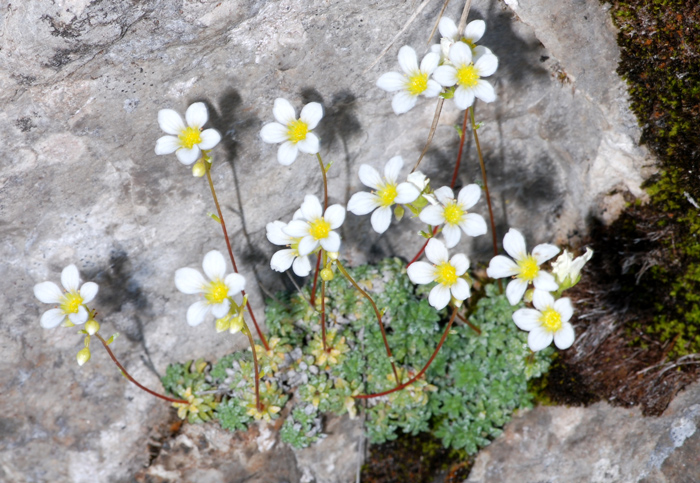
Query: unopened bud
[[223, 324], [92, 326], [199, 170], [333, 255], [327, 274], [83, 356], [236, 324]]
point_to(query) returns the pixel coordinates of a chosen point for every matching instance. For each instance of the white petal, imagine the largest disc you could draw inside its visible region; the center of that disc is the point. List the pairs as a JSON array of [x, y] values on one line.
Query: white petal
[[210, 138], [282, 260], [473, 224], [283, 111], [362, 203], [392, 169], [515, 291], [403, 102], [391, 82], [545, 281], [514, 244], [542, 300], [439, 296], [273, 133], [429, 63], [527, 319], [167, 145], [544, 252], [311, 208], [307, 245], [370, 177], [297, 228], [197, 115], [302, 266], [309, 145], [80, 318], [460, 54], [189, 281], [469, 196], [436, 252], [88, 292], [460, 262], [475, 30], [170, 122], [460, 290], [196, 313], [381, 219], [486, 65], [298, 215], [188, 156], [52, 318], [331, 243], [235, 283], [433, 215], [448, 28], [408, 60], [565, 309], [452, 235], [502, 267], [484, 91], [463, 97], [275, 235], [70, 278], [564, 337], [444, 195], [406, 193], [214, 265], [311, 114], [287, 153], [433, 89], [480, 51], [335, 215], [445, 75], [539, 338], [421, 273], [219, 310], [48, 292]]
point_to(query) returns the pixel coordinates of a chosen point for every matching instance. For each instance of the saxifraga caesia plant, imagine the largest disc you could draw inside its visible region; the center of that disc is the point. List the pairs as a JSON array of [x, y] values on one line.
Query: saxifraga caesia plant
[[364, 340]]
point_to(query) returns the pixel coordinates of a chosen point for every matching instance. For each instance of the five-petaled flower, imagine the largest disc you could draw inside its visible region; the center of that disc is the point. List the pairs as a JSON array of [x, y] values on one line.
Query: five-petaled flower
[[524, 268], [389, 192], [467, 75], [71, 302], [287, 257], [453, 213], [217, 292], [316, 227], [472, 34], [294, 134], [548, 320], [447, 272], [413, 82], [187, 141]]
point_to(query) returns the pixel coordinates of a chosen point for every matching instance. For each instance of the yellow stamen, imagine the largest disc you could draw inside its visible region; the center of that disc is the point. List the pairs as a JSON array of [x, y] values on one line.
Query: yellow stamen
[[387, 195], [453, 213], [71, 303], [446, 274], [297, 130], [189, 137], [417, 83], [467, 76], [216, 292], [551, 319], [529, 268], [320, 229]]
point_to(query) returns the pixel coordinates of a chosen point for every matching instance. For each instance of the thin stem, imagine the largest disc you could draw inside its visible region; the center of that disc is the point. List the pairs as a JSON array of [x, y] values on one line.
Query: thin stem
[[258, 405], [313, 288], [325, 181], [379, 318], [420, 252], [471, 326], [422, 371], [230, 251], [461, 146], [323, 305], [486, 184], [128, 376], [433, 127]]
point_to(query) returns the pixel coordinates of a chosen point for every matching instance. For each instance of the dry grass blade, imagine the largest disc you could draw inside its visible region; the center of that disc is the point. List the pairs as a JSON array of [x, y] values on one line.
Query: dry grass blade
[[437, 22], [433, 127]]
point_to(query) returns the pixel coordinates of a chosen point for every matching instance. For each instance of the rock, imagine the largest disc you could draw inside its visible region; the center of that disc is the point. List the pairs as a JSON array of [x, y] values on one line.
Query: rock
[[597, 444], [81, 84]]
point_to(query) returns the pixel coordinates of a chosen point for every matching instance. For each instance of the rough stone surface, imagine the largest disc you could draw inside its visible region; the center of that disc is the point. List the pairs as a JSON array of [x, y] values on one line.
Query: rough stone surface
[[81, 83], [598, 444]]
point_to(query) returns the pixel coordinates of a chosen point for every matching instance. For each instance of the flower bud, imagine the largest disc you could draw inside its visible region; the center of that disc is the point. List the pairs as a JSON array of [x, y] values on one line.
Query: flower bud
[[236, 324], [199, 170], [223, 323], [83, 356], [92, 326], [333, 255], [327, 274]]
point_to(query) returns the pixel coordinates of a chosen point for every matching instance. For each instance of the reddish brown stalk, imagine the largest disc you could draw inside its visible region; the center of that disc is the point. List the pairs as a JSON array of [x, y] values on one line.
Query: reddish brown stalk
[[422, 371], [128, 376], [313, 288], [420, 252], [323, 314], [471, 326], [461, 146], [258, 405], [379, 318], [230, 251]]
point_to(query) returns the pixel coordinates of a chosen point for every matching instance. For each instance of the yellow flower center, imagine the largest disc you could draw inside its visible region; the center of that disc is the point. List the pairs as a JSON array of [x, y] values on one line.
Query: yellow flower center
[[217, 292], [453, 213], [528, 268], [417, 83], [467, 76], [446, 274], [189, 137], [387, 195], [551, 319], [297, 130], [71, 303], [320, 228]]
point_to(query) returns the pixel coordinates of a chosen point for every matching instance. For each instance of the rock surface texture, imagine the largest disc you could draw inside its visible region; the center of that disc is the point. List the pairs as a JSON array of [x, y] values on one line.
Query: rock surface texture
[[81, 83]]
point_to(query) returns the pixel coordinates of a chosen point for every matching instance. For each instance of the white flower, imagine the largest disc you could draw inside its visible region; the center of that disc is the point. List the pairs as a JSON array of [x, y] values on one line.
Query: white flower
[[472, 34], [288, 257], [294, 134], [389, 192], [467, 76], [187, 141], [567, 270], [549, 321], [71, 303], [526, 267], [418, 179], [316, 227], [413, 82], [217, 292], [447, 274], [453, 213]]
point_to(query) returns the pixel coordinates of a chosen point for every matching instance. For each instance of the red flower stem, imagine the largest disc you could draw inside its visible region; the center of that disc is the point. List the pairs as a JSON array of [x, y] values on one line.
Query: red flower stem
[[313, 288], [246, 330], [422, 371], [471, 326], [128, 376], [323, 306], [420, 252], [379, 318], [230, 251]]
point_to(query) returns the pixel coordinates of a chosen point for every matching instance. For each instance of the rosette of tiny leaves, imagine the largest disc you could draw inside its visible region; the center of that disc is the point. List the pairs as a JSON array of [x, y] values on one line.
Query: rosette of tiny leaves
[[335, 348], [414, 81], [302, 427], [72, 309]]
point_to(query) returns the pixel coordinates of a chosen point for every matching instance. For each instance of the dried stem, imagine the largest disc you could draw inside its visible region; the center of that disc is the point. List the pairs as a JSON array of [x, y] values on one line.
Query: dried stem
[[433, 128], [323, 306], [246, 331], [325, 182]]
